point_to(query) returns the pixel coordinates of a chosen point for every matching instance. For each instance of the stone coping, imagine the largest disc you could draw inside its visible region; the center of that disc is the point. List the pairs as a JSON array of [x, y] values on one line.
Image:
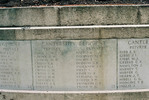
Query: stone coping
[[75, 15]]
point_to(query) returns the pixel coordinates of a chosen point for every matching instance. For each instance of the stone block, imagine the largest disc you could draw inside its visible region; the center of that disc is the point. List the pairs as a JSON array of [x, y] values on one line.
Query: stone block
[[98, 15], [36, 16], [144, 14]]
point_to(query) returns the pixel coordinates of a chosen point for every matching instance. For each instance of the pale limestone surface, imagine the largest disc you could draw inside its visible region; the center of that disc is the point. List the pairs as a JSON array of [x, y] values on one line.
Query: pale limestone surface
[[74, 65], [133, 55], [61, 65], [109, 69], [15, 65]]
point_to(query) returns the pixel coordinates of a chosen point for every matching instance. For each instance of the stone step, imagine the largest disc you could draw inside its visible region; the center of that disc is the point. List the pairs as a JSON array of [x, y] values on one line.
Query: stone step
[[74, 15], [75, 32], [107, 95]]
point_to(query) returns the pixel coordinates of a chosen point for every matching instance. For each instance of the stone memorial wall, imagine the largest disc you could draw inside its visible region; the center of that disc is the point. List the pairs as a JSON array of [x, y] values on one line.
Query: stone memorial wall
[[89, 52], [74, 65]]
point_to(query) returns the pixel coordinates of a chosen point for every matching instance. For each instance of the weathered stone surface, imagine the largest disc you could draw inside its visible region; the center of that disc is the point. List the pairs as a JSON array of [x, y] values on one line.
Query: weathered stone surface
[[75, 33], [7, 35], [109, 64], [74, 64], [37, 16], [97, 15], [31, 96], [119, 33], [126, 96], [74, 15], [133, 55], [124, 32], [58, 65], [74, 96], [15, 66], [144, 14], [69, 33], [78, 33]]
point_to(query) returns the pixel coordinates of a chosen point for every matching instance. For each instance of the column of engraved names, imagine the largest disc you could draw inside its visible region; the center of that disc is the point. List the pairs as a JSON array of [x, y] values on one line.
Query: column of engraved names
[[87, 65], [45, 59], [9, 68], [130, 63]]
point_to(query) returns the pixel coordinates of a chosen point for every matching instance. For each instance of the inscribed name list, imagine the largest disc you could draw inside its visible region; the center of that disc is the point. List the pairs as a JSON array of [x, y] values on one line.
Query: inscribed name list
[[15, 65], [133, 63], [68, 64]]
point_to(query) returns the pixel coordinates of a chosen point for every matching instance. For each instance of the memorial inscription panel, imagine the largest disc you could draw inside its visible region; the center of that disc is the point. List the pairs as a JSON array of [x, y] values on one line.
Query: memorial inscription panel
[[106, 64], [133, 63], [15, 65], [69, 64]]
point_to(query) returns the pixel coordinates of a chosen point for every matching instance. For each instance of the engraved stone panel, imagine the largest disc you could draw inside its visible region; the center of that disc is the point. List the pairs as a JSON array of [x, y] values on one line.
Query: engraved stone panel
[[133, 63], [71, 64], [109, 63], [15, 65]]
